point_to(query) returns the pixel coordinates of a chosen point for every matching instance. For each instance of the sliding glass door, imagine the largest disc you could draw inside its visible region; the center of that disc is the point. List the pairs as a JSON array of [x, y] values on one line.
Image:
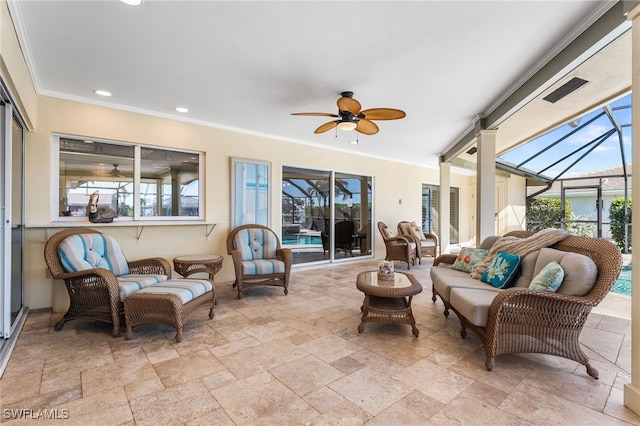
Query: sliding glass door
[[326, 216], [11, 212]]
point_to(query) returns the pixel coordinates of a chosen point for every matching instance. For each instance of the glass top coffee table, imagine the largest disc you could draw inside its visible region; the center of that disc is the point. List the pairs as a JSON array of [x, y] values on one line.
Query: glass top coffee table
[[387, 300]]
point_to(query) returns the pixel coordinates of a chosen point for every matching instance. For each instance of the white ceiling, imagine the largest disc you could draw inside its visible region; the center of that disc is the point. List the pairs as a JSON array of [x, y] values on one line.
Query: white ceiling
[[248, 65]]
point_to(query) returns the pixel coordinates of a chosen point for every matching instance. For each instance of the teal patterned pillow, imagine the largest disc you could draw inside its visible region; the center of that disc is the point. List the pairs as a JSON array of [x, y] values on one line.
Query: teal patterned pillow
[[502, 269], [468, 257], [549, 278]]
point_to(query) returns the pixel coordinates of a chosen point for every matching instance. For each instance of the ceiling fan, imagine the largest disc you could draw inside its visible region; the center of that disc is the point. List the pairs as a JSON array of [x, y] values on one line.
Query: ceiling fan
[[351, 117], [115, 172]]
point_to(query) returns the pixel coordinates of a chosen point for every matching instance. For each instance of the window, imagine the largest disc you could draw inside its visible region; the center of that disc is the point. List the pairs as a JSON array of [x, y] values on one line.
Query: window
[[431, 211], [137, 182], [250, 193]]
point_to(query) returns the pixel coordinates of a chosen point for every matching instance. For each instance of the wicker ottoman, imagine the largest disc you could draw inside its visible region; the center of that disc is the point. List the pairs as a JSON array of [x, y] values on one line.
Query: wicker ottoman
[[170, 302]]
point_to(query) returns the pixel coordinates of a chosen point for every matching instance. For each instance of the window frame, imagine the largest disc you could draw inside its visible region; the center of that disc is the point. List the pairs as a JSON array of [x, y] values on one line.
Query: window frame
[[235, 163], [137, 147]]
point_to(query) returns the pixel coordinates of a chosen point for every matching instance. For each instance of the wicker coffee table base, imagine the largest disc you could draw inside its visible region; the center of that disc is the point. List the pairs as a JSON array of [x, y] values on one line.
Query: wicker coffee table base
[[165, 309], [387, 309]]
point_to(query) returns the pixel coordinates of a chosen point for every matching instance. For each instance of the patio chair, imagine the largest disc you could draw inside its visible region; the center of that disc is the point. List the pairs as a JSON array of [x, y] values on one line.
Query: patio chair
[[258, 258], [398, 247], [426, 243], [98, 279]]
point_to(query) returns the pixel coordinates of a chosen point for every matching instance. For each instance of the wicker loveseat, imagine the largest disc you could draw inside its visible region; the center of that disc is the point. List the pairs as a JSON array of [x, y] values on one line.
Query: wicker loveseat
[[522, 320]]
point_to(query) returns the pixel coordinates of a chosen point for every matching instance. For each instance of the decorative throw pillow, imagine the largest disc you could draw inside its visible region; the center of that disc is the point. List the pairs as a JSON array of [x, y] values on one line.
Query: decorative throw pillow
[[549, 278], [468, 257], [502, 270], [416, 232], [387, 233]]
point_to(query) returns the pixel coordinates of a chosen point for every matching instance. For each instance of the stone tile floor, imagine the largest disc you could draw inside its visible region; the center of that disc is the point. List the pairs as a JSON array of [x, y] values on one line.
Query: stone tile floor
[[299, 360]]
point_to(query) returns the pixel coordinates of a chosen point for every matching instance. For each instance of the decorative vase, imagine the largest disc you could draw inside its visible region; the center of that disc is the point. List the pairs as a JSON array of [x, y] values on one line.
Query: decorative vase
[[385, 270]]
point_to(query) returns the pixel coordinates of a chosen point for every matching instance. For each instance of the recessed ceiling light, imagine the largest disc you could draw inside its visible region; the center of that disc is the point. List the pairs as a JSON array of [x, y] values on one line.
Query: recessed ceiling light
[[181, 109], [132, 2], [354, 142], [102, 92]]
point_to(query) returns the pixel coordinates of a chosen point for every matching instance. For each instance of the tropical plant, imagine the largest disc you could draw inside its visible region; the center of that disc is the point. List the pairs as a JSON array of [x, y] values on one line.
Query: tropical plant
[[619, 221], [543, 213], [580, 228]]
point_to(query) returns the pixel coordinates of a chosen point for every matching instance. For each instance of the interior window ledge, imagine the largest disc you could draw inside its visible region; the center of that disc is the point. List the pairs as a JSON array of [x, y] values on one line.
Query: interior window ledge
[[139, 224]]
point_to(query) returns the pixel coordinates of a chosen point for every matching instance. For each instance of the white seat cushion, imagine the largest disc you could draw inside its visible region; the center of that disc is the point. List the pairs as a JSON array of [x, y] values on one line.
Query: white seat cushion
[[473, 304]]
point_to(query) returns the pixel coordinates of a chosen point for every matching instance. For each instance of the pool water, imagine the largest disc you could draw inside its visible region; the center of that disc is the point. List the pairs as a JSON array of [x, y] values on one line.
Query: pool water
[[623, 283], [302, 239]]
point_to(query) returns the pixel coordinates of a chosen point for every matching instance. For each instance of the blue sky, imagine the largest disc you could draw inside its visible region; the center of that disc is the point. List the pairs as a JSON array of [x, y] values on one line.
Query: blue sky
[[605, 156]]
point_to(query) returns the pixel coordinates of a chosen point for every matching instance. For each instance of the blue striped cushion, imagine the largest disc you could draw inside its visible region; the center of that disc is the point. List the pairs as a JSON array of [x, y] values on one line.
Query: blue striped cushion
[[81, 252], [256, 244], [185, 289], [262, 266], [133, 282]]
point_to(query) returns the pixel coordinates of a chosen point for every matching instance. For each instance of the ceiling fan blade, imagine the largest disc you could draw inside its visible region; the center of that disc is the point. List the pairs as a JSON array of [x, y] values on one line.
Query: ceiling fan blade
[[349, 104], [383, 114], [326, 126], [316, 114], [367, 127]]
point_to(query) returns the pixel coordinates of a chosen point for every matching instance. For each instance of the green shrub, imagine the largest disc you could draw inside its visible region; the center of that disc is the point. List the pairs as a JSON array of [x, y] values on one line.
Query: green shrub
[[543, 213], [618, 220]]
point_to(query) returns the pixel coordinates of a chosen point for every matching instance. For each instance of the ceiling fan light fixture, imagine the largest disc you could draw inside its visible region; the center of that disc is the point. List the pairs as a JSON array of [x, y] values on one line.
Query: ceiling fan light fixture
[[131, 2], [347, 125]]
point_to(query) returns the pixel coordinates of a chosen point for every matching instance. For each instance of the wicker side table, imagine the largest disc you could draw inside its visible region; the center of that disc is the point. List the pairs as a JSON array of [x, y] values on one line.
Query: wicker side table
[[192, 264], [388, 301]]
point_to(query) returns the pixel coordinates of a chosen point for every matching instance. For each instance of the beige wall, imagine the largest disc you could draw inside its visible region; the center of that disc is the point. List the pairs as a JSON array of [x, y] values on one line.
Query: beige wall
[[13, 69], [392, 182]]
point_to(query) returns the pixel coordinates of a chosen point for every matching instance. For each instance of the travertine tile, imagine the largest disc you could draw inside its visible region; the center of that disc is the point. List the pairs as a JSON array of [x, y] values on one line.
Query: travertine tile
[[94, 409], [143, 387], [470, 411], [262, 399], [414, 409], [306, 374], [370, 390], [179, 404], [186, 368], [17, 388], [256, 359], [543, 408], [615, 407], [299, 359], [330, 348], [344, 414], [324, 399], [99, 379], [434, 381]]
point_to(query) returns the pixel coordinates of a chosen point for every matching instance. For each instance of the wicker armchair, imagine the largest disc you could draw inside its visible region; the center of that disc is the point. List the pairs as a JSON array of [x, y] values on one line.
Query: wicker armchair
[[398, 247], [94, 293], [258, 258], [426, 243], [528, 321]]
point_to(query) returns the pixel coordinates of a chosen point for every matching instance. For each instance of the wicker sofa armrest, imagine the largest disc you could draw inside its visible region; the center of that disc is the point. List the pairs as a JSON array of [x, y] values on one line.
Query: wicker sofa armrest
[[523, 320], [532, 307], [151, 265], [403, 239], [445, 259], [432, 237]]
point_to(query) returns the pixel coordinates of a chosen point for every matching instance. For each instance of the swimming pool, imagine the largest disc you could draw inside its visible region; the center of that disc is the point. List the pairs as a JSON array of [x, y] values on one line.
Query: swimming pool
[[623, 283], [302, 239]]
